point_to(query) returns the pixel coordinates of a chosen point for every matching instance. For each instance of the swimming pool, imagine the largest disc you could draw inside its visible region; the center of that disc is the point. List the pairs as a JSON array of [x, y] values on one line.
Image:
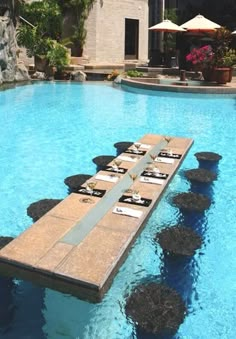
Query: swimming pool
[[45, 130]]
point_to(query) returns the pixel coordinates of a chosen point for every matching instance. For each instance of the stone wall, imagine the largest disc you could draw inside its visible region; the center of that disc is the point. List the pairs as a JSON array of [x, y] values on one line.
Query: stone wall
[[10, 70], [106, 30]]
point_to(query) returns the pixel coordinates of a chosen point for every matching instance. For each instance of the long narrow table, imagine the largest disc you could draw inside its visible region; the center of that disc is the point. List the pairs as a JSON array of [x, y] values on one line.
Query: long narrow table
[[79, 245]]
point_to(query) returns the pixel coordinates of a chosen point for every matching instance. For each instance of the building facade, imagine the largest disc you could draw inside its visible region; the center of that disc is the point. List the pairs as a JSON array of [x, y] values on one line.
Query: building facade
[[117, 31]]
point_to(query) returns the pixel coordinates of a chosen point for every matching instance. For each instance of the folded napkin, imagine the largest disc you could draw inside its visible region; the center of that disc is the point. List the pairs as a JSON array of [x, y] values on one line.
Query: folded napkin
[[165, 160], [163, 154], [134, 151], [152, 180], [127, 158], [127, 211], [110, 178], [145, 146]]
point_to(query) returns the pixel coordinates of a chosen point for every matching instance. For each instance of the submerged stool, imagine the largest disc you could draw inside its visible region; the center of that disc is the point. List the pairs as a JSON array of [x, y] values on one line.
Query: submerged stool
[[179, 240], [208, 160], [37, 209], [122, 146], [102, 160], [4, 241], [191, 202], [178, 270], [156, 309], [75, 181], [192, 207], [201, 180]]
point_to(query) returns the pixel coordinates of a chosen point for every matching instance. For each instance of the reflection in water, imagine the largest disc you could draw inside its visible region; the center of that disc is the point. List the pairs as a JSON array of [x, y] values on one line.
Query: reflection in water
[[21, 309], [6, 303], [181, 273]]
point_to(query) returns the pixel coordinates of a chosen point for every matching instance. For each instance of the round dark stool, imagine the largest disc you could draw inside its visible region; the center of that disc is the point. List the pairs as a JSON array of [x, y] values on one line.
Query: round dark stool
[[178, 266], [122, 146], [37, 209], [208, 160], [102, 160], [156, 309], [4, 241], [189, 201], [201, 180], [75, 181], [192, 208], [179, 240]]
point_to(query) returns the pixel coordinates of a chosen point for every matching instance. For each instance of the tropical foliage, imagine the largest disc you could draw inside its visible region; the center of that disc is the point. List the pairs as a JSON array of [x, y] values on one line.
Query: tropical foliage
[[218, 54], [79, 9]]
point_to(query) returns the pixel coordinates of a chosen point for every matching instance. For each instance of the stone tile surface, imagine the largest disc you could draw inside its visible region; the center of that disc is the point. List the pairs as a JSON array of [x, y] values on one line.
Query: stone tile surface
[[151, 139], [72, 208], [93, 259], [54, 256], [36, 241]]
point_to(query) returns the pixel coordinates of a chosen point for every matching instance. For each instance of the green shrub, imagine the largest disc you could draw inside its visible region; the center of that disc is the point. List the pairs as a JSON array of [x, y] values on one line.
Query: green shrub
[[134, 73]]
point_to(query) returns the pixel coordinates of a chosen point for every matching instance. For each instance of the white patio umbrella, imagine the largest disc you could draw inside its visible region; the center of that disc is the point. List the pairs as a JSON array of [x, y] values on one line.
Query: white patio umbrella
[[167, 26], [200, 24]]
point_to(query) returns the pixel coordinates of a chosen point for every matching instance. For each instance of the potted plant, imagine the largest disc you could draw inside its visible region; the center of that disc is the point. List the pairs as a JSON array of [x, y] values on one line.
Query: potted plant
[[228, 61], [216, 60], [58, 59], [223, 57], [202, 59], [41, 26]]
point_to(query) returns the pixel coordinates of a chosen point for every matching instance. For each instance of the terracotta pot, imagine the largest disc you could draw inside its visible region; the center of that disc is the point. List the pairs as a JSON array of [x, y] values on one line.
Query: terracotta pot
[[230, 74], [209, 74], [222, 75]]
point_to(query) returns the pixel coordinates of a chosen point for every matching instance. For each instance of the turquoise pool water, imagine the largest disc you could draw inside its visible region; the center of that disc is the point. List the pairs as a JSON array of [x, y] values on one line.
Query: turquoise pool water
[[45, 131]]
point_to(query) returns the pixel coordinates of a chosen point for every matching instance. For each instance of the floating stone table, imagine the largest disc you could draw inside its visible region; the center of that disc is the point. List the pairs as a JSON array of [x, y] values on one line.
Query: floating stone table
[[37, 209], [77, 247], [156, 309]]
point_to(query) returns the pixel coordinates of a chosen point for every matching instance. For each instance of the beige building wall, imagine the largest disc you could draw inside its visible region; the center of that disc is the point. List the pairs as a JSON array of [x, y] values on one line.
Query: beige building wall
[[106, 30]]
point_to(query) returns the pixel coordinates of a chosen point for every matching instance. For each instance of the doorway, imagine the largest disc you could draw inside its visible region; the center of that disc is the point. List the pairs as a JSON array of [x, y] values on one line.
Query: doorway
[[131, 39]]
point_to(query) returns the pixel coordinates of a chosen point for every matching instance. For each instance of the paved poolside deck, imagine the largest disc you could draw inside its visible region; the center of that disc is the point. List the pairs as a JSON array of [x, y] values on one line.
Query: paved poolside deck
[[78, 247]]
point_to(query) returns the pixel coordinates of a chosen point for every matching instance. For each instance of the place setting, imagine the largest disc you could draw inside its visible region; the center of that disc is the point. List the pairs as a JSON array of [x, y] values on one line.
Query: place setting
[[136, 149], [151, 171], [135, 199], [152, 174], [168, 153], [90, 191], [115, 167], [161, 159]]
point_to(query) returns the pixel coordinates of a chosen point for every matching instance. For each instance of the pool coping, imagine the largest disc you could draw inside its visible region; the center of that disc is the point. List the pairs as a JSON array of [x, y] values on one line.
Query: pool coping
[[142, 83]]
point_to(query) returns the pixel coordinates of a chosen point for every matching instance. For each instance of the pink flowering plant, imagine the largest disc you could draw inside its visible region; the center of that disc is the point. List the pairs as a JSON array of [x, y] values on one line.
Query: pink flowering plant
[[201, 56]]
